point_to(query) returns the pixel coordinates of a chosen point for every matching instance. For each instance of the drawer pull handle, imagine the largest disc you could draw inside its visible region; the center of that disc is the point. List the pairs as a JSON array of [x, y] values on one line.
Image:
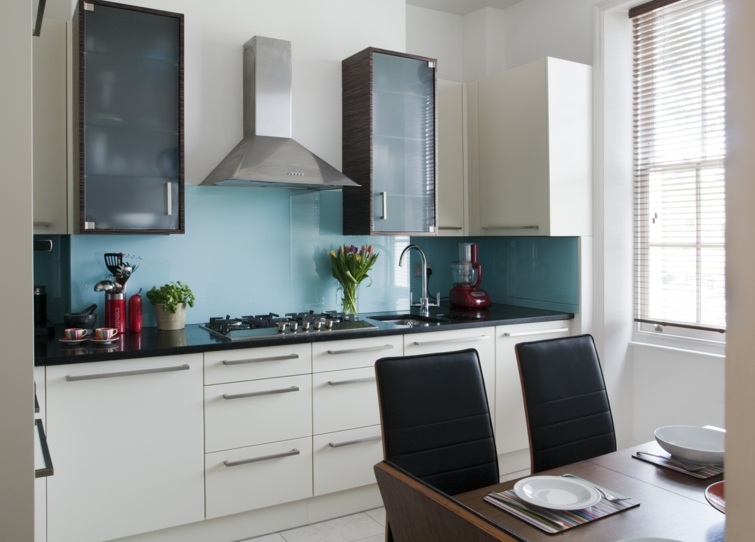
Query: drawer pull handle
[[511, 228], [184, 367], [363, 349], [258, 393], [458, 340], [353, 442], [261, 458], [255, 360], [538, 332], [351, 381]]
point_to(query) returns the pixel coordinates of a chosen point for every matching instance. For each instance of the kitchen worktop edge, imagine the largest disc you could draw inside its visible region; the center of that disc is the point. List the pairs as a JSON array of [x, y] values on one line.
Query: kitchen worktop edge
[[152, 342]]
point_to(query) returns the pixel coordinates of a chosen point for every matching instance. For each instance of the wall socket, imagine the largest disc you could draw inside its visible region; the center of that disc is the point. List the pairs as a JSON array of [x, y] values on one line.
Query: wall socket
[[418, 269]]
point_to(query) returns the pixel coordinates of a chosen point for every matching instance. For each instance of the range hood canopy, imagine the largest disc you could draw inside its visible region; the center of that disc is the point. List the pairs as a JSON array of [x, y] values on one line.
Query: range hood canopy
[[267, 156]]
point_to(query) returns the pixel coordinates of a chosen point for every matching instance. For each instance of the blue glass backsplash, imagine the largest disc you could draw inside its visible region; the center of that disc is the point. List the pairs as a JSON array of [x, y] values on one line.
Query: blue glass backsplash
[[254, 251]]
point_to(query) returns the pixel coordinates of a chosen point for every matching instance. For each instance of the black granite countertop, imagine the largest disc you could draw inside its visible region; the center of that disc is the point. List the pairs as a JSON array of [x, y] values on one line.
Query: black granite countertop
[[153, 342]]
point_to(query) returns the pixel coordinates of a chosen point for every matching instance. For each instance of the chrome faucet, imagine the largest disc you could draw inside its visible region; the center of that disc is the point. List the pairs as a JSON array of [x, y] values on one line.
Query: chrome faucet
[[424, 300]]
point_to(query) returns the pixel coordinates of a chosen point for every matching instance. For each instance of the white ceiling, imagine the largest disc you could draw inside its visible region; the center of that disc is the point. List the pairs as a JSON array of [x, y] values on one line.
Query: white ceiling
[[461, 7]]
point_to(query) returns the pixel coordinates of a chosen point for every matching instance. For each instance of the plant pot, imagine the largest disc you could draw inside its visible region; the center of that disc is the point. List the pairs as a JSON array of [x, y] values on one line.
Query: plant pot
[[170, 320]]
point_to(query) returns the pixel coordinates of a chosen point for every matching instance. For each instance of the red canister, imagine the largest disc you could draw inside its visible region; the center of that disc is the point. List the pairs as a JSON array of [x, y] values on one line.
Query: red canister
[[115, 311], [135, 313]]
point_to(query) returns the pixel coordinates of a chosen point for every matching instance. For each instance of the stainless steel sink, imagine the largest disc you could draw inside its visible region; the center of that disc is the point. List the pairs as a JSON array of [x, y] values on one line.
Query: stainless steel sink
[[409, 320]]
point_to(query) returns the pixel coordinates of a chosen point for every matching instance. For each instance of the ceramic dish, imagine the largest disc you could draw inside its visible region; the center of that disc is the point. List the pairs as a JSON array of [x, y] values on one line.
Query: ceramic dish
[[73, 341], [691, 443], [556, 492], [714, 494], [105, 341]]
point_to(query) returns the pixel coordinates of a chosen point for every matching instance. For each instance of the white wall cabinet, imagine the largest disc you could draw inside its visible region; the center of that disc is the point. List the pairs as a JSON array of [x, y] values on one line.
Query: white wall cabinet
[[481, 339], [50, 123], [452, 186], [510, 421], [128, 447], [535, 126], [346, 417]]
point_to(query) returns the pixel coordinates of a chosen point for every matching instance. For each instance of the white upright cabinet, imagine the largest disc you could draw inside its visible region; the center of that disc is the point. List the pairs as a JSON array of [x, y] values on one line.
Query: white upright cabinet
[[510, 421], [481, 339], [40, 483], [452, 187], [127, 442], [50, 122], [258, 427], [535, 141], [346, 417]]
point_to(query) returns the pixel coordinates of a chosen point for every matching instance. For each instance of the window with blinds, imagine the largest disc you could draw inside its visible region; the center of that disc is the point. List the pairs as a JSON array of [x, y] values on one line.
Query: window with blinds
[[679, 147]]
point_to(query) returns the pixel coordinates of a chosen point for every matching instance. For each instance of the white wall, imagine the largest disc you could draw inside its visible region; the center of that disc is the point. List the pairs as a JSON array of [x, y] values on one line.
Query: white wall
[[437, 35], [16, 324]]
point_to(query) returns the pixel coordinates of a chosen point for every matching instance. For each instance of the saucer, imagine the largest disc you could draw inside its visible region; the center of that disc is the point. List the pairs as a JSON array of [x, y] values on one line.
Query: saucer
[[73, 341], [105, 341]]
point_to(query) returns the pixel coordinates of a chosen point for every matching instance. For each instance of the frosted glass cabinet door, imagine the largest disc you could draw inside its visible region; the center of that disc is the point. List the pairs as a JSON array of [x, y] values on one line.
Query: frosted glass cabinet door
[[389, 143], [130, 104]]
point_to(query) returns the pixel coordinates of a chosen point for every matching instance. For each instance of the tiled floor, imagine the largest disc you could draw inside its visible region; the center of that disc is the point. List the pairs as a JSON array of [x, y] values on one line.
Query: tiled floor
[[366, 526]]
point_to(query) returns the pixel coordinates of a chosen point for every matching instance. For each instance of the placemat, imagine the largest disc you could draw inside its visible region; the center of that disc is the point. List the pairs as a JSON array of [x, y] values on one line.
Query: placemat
[[555, 521], [709, 471]]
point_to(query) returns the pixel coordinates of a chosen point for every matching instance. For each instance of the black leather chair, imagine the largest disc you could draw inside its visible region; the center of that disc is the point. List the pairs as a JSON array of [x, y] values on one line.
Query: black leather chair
[[568, 414], [435, 419]]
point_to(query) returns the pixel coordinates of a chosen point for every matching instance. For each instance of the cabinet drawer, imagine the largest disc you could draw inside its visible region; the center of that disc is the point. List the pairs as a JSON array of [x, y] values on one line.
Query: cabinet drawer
[[254, 363], [345, 459], [258, 476], [249, 413], [344, 400], [350, 354]]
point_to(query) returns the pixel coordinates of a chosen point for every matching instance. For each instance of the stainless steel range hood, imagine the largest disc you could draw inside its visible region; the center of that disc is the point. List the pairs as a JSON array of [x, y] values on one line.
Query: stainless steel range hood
[[268, 156]]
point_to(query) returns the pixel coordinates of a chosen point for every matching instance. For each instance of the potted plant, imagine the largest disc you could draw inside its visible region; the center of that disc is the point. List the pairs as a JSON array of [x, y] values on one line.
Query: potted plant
[[170, 301]]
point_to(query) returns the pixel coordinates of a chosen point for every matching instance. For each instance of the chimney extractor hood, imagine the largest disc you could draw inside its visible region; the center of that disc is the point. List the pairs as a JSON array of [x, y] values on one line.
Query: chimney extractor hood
[[267, 156]]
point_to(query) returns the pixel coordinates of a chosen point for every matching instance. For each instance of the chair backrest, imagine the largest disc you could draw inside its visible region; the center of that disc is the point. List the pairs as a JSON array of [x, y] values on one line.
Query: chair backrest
[[568, 414], [435, 419], [420, 512]]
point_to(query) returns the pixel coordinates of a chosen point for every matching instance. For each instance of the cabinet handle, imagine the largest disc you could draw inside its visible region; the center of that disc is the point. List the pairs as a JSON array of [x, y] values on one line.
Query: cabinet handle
[[353, 442], [43, 224], [352, 381], [260, 458], [537, 332], [457, 340], [255, 360], [258, 393], [184, 367], [47, 470], [363, 349], [384, 199], [511, 228], [455, 228], [168, 198]]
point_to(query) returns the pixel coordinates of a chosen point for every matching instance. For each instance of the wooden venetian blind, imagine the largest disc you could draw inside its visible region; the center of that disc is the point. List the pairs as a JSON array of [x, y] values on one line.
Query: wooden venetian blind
[[679, 148]]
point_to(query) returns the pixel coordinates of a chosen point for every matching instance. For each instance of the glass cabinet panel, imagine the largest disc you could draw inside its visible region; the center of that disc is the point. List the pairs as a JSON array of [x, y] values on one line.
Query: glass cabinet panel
[[130, 119], [389, 143]]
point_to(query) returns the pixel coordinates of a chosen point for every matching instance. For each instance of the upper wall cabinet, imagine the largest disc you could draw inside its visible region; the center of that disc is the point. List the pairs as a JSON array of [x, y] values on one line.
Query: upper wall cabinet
[[452, 186], [389, 143], [50, 123], [535, 159], [128, 119]]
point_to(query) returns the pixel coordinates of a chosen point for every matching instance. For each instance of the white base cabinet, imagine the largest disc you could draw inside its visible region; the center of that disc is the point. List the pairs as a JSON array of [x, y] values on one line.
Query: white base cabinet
[[128, 447], [512, 440]]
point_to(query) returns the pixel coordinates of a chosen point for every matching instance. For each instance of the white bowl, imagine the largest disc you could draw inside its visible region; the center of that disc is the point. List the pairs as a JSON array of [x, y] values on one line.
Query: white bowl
[[690, 443]]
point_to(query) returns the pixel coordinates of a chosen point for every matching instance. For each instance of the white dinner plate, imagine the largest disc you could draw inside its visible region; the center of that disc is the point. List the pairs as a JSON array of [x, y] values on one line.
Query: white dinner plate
[[556, 492]]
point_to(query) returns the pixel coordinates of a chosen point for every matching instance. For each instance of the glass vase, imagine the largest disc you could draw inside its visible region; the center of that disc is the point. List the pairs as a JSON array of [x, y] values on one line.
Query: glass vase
[[349, 294]]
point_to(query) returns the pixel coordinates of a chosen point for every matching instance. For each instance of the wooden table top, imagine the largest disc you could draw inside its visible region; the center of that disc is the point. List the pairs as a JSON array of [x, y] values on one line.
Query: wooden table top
[[672, 504]]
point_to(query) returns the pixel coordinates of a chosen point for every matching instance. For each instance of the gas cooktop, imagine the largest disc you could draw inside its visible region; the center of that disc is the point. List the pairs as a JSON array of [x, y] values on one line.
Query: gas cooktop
[[272, 325]]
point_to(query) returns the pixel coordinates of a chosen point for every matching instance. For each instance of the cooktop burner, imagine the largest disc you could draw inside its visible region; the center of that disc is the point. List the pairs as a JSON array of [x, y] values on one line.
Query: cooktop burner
[[268, 325]]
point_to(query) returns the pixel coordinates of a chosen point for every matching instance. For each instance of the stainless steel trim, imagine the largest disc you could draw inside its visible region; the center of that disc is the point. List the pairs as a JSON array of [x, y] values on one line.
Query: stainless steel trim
[[353, 442], [256, 360], [511, 227], [168, 198], [537, 332], [363, 349], [351, 381], [75, 378], [260, 458], [457, 340], [384, 199], [259, 393], [90, 225], [88, 6], [455, 228]]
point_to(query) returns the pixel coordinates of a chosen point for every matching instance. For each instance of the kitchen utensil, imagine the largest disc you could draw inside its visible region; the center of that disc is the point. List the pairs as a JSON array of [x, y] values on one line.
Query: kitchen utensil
[[87, 321], [692, 467], [135, 312], [467, 276], [113, 261], [610, 497], [115, 311], [104, 286], [691, 443]]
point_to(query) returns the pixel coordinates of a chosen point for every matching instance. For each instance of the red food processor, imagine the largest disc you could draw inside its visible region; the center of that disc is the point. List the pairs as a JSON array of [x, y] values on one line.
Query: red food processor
[[467, 276]]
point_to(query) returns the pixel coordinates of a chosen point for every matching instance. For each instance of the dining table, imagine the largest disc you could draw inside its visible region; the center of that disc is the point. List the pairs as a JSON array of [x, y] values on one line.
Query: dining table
[[658, 501]]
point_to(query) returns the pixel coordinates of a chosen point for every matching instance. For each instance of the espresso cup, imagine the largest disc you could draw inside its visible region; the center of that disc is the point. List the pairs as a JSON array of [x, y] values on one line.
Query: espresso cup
[[105, 333], [75, 333]]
